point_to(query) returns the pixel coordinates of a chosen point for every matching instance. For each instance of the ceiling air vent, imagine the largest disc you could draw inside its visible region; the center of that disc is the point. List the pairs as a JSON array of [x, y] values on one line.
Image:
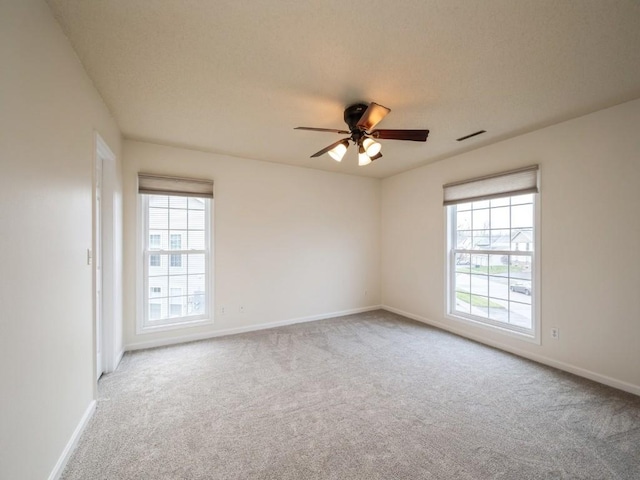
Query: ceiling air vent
[[471, 135]]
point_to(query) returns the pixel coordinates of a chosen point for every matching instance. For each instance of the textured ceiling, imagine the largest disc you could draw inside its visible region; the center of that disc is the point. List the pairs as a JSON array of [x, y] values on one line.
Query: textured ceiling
[[235, 77]]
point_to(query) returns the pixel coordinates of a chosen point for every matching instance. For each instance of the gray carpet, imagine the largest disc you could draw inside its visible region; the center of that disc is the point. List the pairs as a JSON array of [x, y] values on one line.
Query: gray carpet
[[368, 396]]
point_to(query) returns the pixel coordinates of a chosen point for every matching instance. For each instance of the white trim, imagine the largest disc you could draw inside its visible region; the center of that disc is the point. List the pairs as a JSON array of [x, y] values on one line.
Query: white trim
[[140, 280], [112, 255], [73, 441], [251, 328], [164, 327], [494, 252], [536, 316], [103, 149], [567, 367], [118, 359], [493, 327], [97, 261]]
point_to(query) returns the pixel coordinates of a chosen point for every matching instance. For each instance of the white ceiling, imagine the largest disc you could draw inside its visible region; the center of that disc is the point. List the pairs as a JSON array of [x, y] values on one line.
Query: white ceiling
[[235, 77]]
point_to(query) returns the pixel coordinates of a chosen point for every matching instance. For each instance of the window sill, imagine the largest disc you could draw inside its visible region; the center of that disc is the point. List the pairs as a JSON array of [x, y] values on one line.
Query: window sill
[[533, 337], [143, 330]]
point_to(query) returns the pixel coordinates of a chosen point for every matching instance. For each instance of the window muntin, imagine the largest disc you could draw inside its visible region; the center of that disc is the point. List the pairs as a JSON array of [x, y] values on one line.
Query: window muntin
[[176, 260], [491, 262]]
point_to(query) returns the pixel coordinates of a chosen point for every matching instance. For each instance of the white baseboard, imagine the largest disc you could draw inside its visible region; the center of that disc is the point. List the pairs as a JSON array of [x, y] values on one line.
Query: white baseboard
[[251, 328], [73, 441], [118, 359], [581, 372]]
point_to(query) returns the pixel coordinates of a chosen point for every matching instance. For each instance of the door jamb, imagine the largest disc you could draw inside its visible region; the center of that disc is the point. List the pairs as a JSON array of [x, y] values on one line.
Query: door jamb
[[111, 260]]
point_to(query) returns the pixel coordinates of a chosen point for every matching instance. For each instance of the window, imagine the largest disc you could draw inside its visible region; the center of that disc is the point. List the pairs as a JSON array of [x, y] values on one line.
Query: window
[[175, 242], [154, 241], [176, 260], [154, 260], [491, 251], [175, 255]]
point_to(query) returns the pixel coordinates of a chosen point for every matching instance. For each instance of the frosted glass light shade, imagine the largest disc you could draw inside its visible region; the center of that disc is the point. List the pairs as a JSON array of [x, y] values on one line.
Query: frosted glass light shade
[[371, 147], [363, 159], [337, 152]]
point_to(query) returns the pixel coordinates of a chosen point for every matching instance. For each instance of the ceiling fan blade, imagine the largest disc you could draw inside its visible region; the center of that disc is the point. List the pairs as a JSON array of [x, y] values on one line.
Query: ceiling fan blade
[[326, 149], [332, 130], [413, 135], [372, 116]]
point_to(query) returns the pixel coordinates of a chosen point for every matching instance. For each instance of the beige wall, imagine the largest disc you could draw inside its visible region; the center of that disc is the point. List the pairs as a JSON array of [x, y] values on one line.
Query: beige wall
[[289, 242], [590, 232], [49, 112]]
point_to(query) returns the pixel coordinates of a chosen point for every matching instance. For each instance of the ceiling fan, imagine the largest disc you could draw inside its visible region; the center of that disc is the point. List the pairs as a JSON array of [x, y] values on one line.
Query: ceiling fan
[[361, 118]]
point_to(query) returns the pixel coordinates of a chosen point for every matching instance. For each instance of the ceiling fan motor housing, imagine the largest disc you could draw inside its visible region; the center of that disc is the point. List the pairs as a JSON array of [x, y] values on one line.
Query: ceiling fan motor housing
[[353, 114]]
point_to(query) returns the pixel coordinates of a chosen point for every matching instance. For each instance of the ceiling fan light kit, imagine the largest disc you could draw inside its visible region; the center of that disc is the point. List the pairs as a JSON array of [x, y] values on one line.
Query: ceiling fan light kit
[[371, 147], [337, 152], [376, 156], [361, 118], [363, 158]]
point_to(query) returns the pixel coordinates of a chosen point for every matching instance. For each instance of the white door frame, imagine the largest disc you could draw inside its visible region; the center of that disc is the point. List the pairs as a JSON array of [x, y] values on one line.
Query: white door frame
[[97, 263], [111, 243]]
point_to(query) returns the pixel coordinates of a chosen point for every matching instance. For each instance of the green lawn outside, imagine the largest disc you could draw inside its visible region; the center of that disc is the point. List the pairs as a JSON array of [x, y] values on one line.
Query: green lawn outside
[[477, 300]]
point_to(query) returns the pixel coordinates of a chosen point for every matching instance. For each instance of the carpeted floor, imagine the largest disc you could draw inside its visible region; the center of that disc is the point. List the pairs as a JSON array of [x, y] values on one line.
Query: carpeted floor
[[368, 396]]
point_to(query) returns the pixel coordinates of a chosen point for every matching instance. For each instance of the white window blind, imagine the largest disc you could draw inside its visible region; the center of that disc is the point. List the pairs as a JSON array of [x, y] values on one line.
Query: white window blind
[[514, 182], [186, 187]]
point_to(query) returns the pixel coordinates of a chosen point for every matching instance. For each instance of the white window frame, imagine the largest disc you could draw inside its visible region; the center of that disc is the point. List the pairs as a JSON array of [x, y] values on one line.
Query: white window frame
[[143, 325], [532, 335]]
